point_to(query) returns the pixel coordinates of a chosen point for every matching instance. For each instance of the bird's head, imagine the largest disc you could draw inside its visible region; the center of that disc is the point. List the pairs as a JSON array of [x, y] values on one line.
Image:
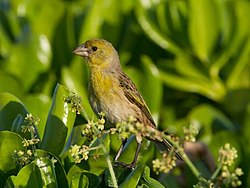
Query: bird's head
[[98, 53]]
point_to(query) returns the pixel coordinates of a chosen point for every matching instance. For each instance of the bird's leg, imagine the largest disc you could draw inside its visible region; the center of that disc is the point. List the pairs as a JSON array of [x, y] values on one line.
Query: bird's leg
[[131, 165], [120, 149]]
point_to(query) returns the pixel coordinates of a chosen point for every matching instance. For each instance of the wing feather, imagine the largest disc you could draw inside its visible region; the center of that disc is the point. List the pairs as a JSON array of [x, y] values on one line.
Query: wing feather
[[133, 95]]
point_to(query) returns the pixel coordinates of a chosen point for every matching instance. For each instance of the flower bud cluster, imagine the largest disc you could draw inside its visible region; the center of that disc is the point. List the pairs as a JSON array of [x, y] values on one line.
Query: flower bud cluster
[[165, 164], [94, 129], [23, 157], [79, 153], [132, 126], [192, 131], [75, 101], [227, 156], [30, 122]]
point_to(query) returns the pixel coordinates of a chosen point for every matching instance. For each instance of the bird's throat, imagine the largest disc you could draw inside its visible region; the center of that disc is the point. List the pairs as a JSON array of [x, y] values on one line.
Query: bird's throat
[[101, 82]]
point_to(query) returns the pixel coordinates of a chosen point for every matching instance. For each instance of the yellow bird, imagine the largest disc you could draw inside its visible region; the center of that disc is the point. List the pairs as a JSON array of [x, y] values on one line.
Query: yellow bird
[[112, 92]]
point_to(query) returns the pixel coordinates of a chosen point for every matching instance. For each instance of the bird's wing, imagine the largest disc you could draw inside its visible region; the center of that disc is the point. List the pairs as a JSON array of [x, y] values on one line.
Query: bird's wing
[[133, 95]]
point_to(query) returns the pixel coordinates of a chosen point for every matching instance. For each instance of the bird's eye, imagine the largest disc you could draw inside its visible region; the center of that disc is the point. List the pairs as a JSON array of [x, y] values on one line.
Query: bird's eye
[[94, 48]]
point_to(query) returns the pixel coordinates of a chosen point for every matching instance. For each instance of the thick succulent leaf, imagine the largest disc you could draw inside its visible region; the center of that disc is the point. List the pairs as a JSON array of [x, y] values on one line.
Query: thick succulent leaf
[[59, 123], [133, 178], [10, 108], [9, 141]]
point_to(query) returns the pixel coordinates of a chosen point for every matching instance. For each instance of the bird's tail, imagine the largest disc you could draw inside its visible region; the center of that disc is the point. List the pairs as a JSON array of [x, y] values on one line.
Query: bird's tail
[[166, 146]]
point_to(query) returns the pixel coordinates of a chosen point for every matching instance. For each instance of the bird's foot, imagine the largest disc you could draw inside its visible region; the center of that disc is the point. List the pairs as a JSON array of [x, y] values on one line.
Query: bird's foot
[[125, 165]]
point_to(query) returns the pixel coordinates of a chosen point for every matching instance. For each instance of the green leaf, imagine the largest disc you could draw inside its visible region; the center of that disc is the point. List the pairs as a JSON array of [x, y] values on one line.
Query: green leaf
[[236, 76], [28, 176], [127, 6], [97, 166], [53, 166], [61, 174], [9, 142], [150, 182], [75, 169], [17, 124], [128, 151], [43, 17], [151, 30], [77, 176], [47, 171], [203, 27], [10, 22], [59, 123], [2, 179], [5, 44], [92, 24], [38, 104], [213, 90], [133, 178], [41, 172], [210, 119], [228, 20], [34, 61], [246, 131], [153, 86], [242, 19], [10, 84], [234, 54], [10, 107], [121, 174], [79, 180], [115, 142], [10, 182], [190, 67], [236, 102]]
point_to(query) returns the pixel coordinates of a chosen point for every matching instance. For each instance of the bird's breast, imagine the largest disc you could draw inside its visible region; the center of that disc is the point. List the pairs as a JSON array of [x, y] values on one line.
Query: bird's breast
[[105, 95], [101, 85]]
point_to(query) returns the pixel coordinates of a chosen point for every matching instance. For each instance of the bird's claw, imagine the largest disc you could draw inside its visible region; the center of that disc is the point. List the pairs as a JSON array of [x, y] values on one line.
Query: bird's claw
[[125, 165]]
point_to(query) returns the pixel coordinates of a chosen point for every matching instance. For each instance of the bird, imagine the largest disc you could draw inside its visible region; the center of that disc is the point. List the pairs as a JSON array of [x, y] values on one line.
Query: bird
[[113, 93]]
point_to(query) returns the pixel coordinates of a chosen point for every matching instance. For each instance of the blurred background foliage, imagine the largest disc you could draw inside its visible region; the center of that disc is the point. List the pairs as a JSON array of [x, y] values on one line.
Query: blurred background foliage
[[190, 59]]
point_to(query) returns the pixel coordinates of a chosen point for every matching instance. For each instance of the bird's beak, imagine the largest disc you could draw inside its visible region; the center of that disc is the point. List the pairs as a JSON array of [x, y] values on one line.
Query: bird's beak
[[81, 51]]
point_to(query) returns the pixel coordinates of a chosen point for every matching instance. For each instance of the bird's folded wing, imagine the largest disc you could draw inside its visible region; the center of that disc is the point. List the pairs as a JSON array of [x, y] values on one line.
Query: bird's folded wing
[[133, 95]]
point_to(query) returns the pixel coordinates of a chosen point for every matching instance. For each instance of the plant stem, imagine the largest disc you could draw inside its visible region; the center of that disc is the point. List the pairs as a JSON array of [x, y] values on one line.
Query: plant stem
[[216, 172], [190, 165], [111, 171]]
